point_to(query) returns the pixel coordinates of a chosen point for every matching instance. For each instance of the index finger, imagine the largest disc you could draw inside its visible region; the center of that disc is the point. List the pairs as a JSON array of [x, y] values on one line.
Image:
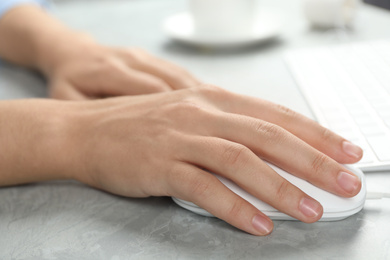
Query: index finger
[[319, 137]]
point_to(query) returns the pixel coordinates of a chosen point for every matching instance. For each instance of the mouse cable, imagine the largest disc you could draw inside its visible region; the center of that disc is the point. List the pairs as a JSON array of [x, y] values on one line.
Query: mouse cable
[[377, 195]]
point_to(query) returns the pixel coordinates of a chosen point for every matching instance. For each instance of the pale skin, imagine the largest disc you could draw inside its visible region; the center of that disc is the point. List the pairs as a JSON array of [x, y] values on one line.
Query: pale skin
[[163, 136]]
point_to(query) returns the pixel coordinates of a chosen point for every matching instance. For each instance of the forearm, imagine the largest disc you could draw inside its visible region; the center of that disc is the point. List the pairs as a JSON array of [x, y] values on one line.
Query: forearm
[[33, 141], [31, 37]]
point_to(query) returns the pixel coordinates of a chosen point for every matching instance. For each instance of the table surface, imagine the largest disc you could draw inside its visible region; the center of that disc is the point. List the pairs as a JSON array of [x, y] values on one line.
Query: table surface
[[67, 220]]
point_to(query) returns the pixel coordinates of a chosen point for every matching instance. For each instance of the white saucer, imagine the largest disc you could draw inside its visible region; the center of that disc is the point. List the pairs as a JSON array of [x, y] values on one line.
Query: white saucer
[[181, 28]]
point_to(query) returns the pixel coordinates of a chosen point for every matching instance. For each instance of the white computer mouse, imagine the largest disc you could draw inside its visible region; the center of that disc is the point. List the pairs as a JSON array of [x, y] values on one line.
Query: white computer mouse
[[335, 207]]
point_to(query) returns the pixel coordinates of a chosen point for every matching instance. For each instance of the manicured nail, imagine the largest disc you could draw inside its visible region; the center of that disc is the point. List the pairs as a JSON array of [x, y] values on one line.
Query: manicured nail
[[349, 182], [310, 208], [352, 149], [262, 224]]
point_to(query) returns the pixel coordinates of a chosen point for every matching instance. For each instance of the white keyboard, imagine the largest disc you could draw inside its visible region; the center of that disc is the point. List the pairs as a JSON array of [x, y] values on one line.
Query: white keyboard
[[348, 89]]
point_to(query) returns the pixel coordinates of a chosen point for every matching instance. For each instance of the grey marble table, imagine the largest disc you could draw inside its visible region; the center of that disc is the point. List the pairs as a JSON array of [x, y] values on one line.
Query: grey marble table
[[67, 220]]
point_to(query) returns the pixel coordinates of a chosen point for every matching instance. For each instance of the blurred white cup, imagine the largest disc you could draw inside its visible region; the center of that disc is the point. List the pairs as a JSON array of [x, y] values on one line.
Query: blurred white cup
[[223, 18], [330, 13]]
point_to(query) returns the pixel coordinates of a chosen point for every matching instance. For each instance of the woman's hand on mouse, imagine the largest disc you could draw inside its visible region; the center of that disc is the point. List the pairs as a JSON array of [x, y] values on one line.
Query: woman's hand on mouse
[[164, 145], [78, 68]]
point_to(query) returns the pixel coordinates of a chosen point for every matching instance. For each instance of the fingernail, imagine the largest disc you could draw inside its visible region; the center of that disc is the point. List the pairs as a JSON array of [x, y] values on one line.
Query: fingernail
[[310, 208], [262, 224], [350, 183], [352, 149]]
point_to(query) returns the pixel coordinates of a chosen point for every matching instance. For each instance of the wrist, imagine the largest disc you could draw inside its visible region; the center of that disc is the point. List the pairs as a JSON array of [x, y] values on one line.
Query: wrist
[[36, 138], [31, 37], [56, 48]]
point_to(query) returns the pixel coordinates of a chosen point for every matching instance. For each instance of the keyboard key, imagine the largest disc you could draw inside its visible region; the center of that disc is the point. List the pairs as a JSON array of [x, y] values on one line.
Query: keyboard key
[[350, 135], [364, 120], [358, 111], [381, 145], [374, 129], [368, 157]]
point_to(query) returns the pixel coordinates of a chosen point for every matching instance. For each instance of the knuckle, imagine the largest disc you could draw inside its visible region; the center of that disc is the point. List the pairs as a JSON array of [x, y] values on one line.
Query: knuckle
[[285, 111], [156, 86], [326, 135], [135, 52], [198, 187], [282, 192], [179, 70], [185, 181], [288, 115], [210, 90], [236, 208], [110, 65], [187, 105], [271, 131], [235, 154], [319, 162], [186, 112], [136, 55]]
